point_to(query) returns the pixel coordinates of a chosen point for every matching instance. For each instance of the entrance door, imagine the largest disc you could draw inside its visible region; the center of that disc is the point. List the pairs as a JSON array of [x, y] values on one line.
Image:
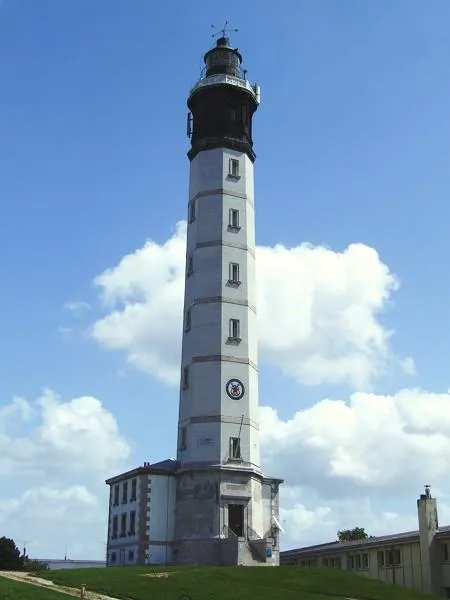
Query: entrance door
[[236, 519]]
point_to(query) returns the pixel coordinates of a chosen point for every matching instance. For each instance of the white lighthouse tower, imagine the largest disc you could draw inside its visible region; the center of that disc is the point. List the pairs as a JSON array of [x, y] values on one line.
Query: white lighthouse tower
[[226, 510]]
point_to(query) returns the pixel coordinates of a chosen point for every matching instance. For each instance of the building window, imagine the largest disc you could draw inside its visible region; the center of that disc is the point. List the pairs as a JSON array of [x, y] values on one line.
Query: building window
[[190, 265], [364, 561], [337, 562], [116, 495], [130, 555], [185, 378], [234, 330], [192, 211], [133, 490], [234, 168], [235, 448], [234, 273], [358, 561], [234, 219], [113, 558], [123, 525], [445, 553], [183, 438], [187, 323], [393, 558], [125, 493], [115, 526], [350, 562], [132, 523]]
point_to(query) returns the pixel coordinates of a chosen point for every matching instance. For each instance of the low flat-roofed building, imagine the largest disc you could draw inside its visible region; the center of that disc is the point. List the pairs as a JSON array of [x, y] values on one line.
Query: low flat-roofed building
[[416, 559]]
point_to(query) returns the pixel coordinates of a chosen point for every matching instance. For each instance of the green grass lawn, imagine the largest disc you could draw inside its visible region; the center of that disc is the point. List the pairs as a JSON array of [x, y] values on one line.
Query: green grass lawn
[[236, 583], [13, 590]]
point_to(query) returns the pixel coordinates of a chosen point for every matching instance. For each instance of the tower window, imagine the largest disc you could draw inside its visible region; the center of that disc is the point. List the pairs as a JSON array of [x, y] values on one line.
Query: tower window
[[185, 377], [234, 273], [116, 495], [192, 211], [235, 448], [187, 324], [125, 493], [234, 168], [190, 265], [234, 330], [234, 219], [183, 438]]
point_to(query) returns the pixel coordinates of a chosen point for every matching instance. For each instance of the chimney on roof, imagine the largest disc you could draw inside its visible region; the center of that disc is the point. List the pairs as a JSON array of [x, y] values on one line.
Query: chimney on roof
[[428, 527]]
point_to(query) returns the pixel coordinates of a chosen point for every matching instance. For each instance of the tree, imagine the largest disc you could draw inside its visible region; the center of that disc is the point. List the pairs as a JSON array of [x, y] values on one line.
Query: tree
[[10, 557], [350, 535]]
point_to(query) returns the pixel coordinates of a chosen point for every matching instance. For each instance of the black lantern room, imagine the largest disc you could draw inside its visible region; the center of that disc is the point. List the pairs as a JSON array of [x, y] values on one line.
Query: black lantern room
[[222, 104]]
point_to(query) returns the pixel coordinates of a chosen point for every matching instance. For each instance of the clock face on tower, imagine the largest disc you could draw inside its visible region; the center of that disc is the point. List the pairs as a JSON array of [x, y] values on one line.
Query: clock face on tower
[[235, 389]]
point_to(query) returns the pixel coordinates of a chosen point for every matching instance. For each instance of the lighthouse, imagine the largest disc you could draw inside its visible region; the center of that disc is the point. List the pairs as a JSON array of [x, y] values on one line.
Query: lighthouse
[[226, 509], [212, 504]]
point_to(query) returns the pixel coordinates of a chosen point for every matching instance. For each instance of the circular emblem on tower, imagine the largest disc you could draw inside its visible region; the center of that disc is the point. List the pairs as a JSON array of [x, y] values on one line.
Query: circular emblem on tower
[[235, 389]]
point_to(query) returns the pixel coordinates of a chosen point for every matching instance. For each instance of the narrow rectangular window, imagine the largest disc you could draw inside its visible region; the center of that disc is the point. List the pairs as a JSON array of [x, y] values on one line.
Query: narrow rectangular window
[[116, 495], [234, 273], [192, 211], [133, 489], [190, 265], [125, 493], [234, 218], [396, 558], [188, 320], [186, 377], [234, 329], [350, 562], [337, 562], [132, 522], [380, 558], [183, 438], [123, 525], [235, 448], [358, 561], [115, 526], [365, 560], [130, 555], [234, 167], [445, 552]]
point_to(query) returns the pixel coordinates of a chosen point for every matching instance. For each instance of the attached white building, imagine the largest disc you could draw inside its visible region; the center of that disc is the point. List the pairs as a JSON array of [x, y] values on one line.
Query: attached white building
[[141, 514]]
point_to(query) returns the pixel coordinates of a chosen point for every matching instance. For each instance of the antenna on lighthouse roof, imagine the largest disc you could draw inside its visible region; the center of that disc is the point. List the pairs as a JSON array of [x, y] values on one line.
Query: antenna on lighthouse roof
[[223, 32]]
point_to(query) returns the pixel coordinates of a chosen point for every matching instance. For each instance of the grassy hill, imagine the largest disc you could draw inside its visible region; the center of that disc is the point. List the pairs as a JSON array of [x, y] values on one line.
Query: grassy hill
[[12, 590], [238, 583]]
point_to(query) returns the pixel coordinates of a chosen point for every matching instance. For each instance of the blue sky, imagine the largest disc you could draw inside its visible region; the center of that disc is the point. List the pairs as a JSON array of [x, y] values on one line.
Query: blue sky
[[353, 146]]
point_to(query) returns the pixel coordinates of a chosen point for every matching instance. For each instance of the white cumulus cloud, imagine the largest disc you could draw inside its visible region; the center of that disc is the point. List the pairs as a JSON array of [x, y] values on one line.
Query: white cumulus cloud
[[368, 444], [318, 311], [52, 436]]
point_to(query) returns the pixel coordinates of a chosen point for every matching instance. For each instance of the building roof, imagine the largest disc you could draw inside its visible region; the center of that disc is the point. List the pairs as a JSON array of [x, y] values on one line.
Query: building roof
[[164, 467], [383, 540]]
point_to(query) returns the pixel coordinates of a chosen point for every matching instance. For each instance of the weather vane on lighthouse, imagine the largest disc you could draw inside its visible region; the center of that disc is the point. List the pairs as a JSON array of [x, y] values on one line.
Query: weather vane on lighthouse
[[223, 32]]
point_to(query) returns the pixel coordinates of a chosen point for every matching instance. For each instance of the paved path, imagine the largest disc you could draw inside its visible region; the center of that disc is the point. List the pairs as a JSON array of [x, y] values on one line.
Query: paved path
[[39, 582]]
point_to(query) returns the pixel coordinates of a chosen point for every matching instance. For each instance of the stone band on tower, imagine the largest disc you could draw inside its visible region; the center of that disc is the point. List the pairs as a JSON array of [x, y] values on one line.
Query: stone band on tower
[[226, 511]]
